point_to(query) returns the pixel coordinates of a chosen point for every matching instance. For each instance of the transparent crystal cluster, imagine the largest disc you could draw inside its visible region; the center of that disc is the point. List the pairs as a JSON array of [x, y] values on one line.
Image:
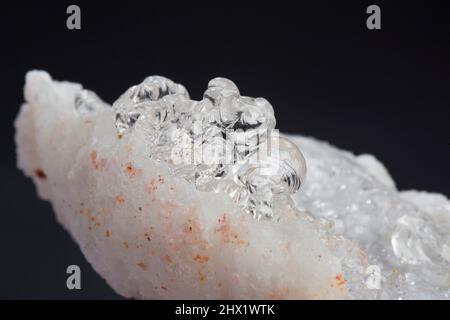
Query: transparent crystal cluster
[[223, 143]]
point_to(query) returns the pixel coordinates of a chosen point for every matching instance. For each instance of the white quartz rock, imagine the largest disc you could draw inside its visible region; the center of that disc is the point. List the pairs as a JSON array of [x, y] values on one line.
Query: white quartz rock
[[151, 234]]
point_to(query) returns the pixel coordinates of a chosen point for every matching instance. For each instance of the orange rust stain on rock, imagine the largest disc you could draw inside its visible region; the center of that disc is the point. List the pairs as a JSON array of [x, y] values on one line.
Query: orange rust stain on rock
[[40, 174], [192, 231], [120, 199], [90, 217], [119, 136], [201, 276], [142, 265], [191, 226], [131, 171], [125, 244], [167, 259], [286, 246], [151, 186], [340, 280], [276, 296], [105, 210], [149, 232], [228, 234], [96, 163], [279, 294], [107, 233], [201, 259]]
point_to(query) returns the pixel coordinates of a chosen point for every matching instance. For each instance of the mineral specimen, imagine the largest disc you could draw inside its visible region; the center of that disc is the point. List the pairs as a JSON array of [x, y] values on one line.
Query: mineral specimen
[[174, 198]]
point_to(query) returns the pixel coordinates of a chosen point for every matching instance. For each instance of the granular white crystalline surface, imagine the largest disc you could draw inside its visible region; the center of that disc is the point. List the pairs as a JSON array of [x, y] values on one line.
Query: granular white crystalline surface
[[158, 231]]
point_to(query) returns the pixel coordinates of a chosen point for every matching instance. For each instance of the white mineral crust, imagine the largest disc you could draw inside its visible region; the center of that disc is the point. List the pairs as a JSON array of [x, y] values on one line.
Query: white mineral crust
[[153, 234]]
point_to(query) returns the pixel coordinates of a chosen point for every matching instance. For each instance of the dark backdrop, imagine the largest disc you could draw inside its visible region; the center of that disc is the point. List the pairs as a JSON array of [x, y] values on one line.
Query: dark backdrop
[[384, 92]]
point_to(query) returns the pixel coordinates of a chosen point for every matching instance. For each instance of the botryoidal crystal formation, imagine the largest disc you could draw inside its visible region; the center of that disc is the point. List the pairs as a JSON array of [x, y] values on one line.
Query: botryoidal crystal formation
[[170, 197], [217, 143]]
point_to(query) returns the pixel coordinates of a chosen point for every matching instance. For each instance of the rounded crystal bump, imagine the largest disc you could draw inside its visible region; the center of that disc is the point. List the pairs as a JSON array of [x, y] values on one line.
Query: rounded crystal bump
[[292, 170]]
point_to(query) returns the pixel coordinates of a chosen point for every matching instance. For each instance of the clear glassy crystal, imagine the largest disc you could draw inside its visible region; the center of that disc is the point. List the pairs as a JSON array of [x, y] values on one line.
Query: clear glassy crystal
[[224, 142]]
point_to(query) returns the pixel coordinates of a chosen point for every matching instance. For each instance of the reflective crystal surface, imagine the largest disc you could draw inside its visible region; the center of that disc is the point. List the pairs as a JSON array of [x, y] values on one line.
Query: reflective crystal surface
[[224, 143]]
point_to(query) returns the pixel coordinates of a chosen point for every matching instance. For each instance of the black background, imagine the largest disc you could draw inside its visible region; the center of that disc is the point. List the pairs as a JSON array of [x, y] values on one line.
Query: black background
[[384, 92]]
